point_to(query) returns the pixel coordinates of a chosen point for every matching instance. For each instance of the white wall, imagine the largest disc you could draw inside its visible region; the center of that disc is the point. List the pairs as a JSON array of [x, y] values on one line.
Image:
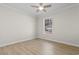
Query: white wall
[[15, 26], [66, 27]]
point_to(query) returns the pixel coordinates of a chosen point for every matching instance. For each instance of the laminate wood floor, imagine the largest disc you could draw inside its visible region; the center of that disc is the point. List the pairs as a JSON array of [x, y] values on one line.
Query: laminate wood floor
[[39, 47]]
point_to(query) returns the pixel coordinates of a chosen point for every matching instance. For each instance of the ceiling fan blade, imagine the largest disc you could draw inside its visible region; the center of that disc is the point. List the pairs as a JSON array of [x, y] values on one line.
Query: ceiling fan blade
[[34, 6], [46, 6]]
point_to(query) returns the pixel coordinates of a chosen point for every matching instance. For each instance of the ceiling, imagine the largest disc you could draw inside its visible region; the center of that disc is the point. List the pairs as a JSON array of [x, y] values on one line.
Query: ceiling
[[26, 7]]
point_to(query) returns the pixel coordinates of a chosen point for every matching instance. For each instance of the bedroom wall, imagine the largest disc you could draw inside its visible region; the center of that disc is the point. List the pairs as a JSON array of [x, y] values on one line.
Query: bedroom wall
[[15, 26], [65, 26]]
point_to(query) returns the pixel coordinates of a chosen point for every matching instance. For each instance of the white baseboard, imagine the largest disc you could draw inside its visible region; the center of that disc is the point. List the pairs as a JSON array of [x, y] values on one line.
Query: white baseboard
[[14, 42], [67, 43], [6, 44]]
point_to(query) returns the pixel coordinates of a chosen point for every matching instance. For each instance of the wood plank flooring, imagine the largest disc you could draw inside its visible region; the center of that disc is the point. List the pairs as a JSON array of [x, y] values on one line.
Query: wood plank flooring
[[39, 47]]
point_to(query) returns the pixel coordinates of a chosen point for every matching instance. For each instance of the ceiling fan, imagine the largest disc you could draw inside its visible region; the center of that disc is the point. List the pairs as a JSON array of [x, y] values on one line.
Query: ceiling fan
[[41, 7]]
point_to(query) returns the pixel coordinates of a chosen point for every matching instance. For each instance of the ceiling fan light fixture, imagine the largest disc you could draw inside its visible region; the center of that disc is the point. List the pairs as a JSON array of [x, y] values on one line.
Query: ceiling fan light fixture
[[41, 8]]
